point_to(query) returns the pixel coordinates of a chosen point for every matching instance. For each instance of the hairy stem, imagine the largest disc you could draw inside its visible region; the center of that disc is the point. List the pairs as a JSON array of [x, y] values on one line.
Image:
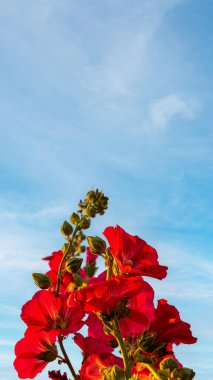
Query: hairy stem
[[60, 270], [118, 336], [66, 358]]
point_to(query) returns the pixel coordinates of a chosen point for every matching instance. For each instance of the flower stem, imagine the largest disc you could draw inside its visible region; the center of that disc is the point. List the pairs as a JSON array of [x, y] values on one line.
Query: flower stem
[[66, 358], [118, 336], [60, 270]]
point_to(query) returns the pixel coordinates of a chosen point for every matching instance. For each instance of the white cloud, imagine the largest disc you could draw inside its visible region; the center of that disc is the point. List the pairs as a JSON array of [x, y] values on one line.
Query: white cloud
[[165, 109]]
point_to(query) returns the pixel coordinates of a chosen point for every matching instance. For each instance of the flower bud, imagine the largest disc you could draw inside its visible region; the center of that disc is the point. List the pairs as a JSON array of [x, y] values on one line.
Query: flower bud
[[170, 363], [91, 196], [85, 223], [75, 218], [90, 269], [183, 374], [73, 265], [90, 211], [42, 280], [96, 244], [66, 229]]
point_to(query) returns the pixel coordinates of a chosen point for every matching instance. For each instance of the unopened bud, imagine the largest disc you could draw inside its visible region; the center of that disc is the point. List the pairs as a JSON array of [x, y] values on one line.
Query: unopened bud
[[42, 280], [73, 265], [66, 229], [96, 244], [170, 363], [90, 211], [90, 269], [91, 196], [183, 374], [75, 218], [85, 223]]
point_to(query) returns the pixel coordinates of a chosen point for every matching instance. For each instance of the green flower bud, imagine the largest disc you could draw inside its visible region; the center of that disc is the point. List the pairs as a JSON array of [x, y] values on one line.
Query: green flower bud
[[42, 280], [91, 196], [75, 218], [169, 363], [90, 269], [96, 244], [66, 229], [73, 265], [183, 374], [90, 211], [85, 223]]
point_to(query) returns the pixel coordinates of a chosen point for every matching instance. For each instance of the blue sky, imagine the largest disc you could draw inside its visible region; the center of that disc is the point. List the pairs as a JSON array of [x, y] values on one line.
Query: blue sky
[[115, 94]]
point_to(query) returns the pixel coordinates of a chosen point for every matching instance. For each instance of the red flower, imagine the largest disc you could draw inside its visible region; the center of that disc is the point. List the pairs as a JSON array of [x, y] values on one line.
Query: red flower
[[91, 345], [48, 312], [93, 368], [133, 255], [104, 296], [134, 310], [33, 353], [56, 375], [168, 326]]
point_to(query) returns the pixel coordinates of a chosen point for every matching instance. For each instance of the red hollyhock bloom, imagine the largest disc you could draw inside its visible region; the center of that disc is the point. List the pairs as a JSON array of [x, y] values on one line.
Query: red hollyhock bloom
[[168, 326], [104, 296], [33, 352], [91, 345], [48, 312], [133, 255], [134, 312], [56, 375], [93, 367]]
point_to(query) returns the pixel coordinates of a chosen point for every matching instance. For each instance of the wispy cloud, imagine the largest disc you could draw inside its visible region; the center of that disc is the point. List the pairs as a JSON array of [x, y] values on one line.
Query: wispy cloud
[[164, 110]]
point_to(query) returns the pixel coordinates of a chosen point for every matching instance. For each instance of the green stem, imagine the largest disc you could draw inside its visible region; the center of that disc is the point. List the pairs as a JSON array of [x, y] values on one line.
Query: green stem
[[109, 263], [118, 336], [67, 360], [109, 271], [63, 261], [152, 370]]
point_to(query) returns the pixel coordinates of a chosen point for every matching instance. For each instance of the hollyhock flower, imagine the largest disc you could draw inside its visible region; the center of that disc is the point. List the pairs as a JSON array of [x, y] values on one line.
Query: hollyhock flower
[[33, 353], [91, 345], [93, 368], [104, 296], [46, 311], [167, 326], [134, 311], [133, 255], [56, 375]]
